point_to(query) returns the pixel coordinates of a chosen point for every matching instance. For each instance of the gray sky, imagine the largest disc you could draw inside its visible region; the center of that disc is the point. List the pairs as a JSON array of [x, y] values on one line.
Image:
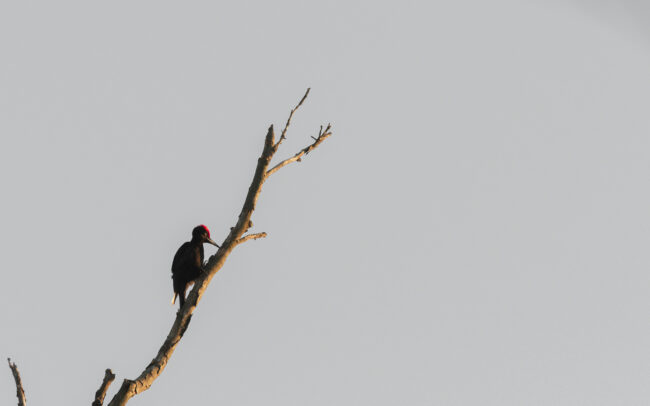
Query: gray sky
[[475, 232]]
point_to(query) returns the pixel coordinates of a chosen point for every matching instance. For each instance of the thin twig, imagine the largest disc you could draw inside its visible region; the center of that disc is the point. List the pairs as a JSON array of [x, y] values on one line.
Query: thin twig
[[250, 237], [321, 137], [109, 377], [20, 392], [283, 135]]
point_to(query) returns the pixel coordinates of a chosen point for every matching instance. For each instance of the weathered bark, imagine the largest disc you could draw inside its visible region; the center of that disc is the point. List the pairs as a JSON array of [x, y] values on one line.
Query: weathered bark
[[20, 392], [109, 376], [236, 236]]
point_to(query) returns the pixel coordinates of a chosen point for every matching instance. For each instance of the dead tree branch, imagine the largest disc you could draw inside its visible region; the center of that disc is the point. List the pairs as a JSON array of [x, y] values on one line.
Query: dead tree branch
[[109, 376], [322, 135], [131, 388], [250, 237], [286, 126], [20, 392]]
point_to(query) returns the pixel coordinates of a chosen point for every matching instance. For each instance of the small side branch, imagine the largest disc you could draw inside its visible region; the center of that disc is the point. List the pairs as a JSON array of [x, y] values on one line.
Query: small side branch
[[20, 392], [322, 135], [286, 126], [109, 377], [250, 237]]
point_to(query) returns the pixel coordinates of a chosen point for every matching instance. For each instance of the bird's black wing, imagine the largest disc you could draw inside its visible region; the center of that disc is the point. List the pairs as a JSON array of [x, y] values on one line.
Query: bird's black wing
[[181, 255]]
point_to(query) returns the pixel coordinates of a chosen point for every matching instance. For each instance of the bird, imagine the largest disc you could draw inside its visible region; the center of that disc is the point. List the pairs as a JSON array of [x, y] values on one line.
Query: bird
[[188, 262]]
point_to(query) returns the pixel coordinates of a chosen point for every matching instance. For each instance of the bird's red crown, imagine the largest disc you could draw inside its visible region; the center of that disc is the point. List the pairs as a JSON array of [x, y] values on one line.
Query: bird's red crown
[[206, 229]]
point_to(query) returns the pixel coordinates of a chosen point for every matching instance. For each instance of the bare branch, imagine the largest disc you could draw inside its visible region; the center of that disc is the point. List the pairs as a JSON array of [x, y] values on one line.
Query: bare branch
[[286, 126], [143, 382], [109, 377], [20, 392], [322, 135], [250, 237]]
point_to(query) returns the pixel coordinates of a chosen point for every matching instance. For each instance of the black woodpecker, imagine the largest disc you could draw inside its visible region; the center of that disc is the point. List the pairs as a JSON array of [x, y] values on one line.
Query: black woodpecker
[[188, 262]]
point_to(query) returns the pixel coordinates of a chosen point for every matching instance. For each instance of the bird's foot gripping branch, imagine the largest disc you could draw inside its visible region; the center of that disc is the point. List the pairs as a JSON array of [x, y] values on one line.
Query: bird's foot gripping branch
[[236, 236]]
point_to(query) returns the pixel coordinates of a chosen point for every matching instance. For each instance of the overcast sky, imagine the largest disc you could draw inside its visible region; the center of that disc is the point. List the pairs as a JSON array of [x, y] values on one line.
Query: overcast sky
[[476, 231]]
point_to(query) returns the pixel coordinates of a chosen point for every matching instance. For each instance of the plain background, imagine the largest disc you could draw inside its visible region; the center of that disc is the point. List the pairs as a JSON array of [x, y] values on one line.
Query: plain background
[[474, 233]]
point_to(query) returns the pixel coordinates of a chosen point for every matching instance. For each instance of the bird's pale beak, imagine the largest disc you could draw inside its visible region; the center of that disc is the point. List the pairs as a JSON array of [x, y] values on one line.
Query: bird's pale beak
[[209, 241]]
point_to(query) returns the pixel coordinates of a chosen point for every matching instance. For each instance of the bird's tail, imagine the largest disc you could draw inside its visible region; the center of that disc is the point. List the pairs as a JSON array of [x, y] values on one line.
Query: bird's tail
[[174, 298]]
